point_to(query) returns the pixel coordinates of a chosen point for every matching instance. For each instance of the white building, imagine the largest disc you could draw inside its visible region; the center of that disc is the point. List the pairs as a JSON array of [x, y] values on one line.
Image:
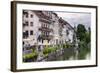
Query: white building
[[56, 36], [67, 31], [45, 28]]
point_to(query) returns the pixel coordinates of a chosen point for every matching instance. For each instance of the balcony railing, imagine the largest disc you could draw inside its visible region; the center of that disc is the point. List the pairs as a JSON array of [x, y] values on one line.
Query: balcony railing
[[46, 29], [47, 37]]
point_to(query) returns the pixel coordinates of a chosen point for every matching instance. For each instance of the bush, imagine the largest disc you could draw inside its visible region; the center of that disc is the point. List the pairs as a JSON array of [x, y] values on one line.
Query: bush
[[32, 55], [66, 45], [48, 50]]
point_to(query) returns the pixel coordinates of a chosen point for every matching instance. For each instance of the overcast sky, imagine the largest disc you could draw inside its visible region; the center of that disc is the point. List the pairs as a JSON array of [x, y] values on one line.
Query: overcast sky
[[76, 18]]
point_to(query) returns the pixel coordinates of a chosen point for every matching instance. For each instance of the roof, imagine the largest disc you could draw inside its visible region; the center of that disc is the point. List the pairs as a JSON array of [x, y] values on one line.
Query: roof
[[40, 14]]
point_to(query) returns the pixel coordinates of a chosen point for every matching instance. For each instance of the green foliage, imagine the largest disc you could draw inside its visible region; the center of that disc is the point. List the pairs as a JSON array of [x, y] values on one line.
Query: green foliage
[[30, 55], [84, 44], [48, 50], [81, 30], [66, 45]]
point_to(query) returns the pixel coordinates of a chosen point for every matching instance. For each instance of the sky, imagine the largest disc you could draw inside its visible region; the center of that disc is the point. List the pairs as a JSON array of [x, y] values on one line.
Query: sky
[[76, 18]]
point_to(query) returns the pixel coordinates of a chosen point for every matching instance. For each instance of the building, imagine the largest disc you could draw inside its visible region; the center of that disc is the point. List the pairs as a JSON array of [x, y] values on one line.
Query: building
[[67, 31], [45, 28]]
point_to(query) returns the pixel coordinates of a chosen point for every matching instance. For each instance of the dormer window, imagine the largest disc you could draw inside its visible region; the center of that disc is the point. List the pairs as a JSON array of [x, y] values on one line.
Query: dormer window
[[25, 13]]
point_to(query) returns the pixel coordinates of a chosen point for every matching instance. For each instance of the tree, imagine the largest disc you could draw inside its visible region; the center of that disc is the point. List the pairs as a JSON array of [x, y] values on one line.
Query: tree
[[84, 45], [81, 30]]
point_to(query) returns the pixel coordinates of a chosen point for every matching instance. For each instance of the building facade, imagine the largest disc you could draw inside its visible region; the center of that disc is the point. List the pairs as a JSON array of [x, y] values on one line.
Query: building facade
[[45, 28]]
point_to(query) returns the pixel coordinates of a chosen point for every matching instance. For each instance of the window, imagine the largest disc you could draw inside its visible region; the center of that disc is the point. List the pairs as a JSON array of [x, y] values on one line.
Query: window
[[26, 23], [31, 23], [26, 15], [67, 32], [23, 43], [25, 34], [31, 15], [31, 32]]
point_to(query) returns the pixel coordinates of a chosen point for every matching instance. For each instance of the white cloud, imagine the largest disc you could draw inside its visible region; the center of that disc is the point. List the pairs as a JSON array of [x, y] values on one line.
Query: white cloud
[[76, 18]]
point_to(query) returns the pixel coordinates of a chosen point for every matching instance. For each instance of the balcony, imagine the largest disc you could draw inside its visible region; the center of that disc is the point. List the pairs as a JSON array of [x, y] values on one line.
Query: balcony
[[47, 37], [46, 29]]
